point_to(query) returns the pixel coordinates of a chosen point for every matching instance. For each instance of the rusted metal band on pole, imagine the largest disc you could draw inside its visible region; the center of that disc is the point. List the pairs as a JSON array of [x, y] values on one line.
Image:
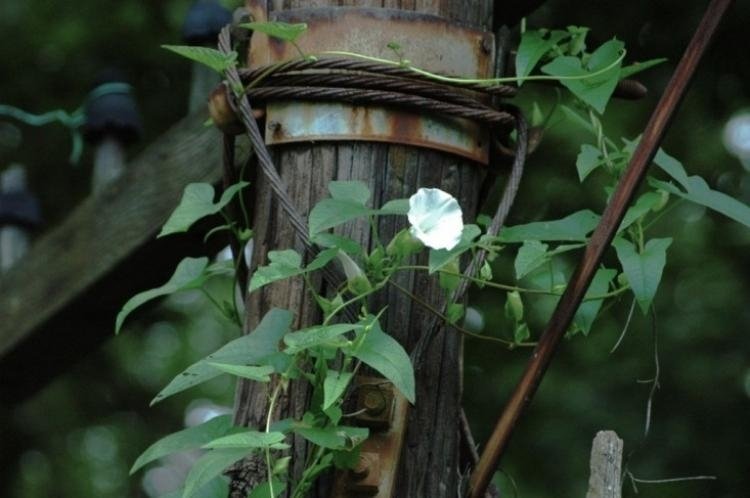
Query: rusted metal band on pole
[[429, 42], [600, 240]]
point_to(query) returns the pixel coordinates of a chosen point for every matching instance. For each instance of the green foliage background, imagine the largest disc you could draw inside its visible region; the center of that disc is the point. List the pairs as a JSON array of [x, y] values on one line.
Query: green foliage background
[[79, 436]]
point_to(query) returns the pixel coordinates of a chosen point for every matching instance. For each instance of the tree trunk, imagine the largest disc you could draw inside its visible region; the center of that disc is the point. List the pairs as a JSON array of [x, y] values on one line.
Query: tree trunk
[[429, 464]]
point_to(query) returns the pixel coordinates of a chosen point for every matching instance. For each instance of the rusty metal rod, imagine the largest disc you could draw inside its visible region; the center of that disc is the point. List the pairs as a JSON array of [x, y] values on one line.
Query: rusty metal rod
[[600, 240]]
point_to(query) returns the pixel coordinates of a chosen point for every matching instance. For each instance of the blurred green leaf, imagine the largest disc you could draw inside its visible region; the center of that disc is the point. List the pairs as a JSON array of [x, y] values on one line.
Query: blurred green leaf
[[198, 202], [189, 274], [186, 439], [329, 213], [317, 336], [587, 83], [514, 306], [354, 191], [531, 255], [281, 30], [588, 160], [334, 386], [643, 205], [209, 466], [574, 227], [263, 490], [216, 60], [637, 67], [249, 349], [533, 46], [257, 373], [285, 264], [333, 437], [255, 440], [587, 312], [521, 333]]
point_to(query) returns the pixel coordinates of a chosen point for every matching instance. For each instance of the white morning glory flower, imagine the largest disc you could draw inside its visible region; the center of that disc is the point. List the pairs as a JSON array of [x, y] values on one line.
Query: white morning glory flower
[[435, 218]]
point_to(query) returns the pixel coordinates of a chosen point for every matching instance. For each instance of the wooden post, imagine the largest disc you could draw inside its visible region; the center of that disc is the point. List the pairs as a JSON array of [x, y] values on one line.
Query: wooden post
[[606, 466], [430, 459]]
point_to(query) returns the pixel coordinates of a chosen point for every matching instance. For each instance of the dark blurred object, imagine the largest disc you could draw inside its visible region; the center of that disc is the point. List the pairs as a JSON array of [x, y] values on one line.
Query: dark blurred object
[[19, 213], [112, 122], [509, 13], [203, 21]]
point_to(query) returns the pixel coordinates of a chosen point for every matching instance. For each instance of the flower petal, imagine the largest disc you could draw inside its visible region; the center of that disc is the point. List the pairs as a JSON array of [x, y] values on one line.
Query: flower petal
[[435, 218]]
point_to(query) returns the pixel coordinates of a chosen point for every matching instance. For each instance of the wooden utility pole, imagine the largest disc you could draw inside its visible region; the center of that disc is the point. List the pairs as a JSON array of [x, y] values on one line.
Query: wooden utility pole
[[430, 458]]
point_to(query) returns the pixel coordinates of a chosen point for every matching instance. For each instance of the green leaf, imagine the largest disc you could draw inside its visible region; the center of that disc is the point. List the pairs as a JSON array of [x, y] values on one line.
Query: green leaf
[[334, 241], [450, 276], [670, 165], [334, 437], [215, 488], [700, 193], [283, 264], [186, 439], [209, 466], [441, 257], [320, 335], [521, 333], [334, 386], [587, 83], [249, 440], [531, 255], [395, 206], [286, 264], [534, 45], [216, 60], [586, 314], [454, 312], [514, 306], [643, 270], [281, 30], [403, 245], [383, 353], [249, 349], [322, 259], [329, 213], [354, 191], [197, 202], [258, 374], [643, 205], [263, 490], [573, 227], [588, 160], [189, 274], [637, 67]]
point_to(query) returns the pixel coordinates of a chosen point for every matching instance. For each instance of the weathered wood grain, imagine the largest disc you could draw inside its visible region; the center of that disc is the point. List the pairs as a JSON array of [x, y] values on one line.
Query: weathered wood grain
[[606, 466], [61, 300], [430, 460]]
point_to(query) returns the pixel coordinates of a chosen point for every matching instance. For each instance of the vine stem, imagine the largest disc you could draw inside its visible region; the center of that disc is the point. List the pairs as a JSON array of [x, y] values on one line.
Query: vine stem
[[511, 288], [460, 329], [269, 417], [470, 81]]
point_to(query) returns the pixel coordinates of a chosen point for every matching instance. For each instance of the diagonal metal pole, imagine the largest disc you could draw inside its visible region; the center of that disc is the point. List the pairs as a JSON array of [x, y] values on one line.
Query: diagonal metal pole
[[600, 240]]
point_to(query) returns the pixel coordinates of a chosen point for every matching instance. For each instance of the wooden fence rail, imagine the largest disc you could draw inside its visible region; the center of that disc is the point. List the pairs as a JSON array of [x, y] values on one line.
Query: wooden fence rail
[[60, 301]]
